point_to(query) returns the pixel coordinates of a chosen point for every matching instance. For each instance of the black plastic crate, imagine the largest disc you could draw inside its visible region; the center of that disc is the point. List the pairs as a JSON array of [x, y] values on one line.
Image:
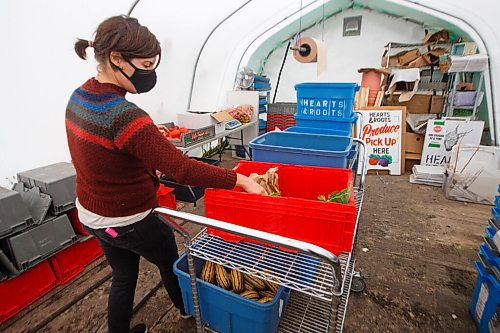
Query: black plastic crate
[[30, 247], [57, 180], [14, 215], [185, 192]]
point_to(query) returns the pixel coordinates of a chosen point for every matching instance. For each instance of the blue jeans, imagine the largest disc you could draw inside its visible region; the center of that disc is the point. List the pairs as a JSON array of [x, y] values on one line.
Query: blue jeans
[[149, 238]]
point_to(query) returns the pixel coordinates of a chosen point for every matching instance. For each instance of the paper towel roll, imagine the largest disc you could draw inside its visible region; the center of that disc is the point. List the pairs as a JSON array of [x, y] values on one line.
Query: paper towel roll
[[315, 52]]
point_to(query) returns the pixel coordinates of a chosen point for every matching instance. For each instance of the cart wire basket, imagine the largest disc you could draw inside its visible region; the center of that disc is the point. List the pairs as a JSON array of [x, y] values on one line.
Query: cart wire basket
[[320, 282]]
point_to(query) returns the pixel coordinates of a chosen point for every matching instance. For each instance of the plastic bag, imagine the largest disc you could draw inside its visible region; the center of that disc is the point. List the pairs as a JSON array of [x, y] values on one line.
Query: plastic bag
[[243, 112]]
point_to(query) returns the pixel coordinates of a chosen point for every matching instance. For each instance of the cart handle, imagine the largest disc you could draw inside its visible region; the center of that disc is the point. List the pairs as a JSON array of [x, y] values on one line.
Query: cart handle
[[303, 247], [364, 160]]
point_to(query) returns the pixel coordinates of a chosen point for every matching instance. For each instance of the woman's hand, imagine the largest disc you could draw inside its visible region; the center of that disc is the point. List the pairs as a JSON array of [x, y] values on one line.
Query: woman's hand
[[249, 185]]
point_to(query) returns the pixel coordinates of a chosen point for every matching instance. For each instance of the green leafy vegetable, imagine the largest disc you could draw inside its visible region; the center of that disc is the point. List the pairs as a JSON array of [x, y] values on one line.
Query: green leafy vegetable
[[337, 196]]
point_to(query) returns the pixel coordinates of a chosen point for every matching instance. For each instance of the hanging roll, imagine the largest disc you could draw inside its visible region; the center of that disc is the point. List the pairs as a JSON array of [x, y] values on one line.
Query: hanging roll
[[311, 50]]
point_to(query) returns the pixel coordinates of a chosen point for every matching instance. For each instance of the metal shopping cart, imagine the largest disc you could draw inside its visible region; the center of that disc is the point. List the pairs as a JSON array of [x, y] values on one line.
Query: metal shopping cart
[[320, 282]]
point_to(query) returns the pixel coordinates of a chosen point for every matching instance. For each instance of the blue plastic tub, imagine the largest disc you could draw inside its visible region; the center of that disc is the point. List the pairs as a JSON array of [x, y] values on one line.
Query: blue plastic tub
[[262, 124], [497, 201], [325, 101], [490, 258], [340, 124], [312, 130], [302, 149], [495, 214], [324, 131], [225, 311], [485, 299]]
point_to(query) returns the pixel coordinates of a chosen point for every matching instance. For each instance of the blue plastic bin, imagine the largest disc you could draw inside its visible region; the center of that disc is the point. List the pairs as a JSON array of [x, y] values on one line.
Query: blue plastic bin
[[485, 299], [225, 311], [495, 214], [486, 252], [312, 130], [302, 149], [497, 201], [262, 124], [325, 101], [340, 124], [324, 131]]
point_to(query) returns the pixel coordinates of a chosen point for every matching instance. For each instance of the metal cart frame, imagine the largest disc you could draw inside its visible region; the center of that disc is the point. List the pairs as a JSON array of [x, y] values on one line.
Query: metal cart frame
[[320, 281]]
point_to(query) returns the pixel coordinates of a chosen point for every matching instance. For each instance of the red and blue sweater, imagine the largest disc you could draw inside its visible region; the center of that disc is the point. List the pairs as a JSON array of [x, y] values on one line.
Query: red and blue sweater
[[116, 149]]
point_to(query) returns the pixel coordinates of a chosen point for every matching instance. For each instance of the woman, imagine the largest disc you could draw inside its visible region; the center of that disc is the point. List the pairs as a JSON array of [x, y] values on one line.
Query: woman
[[116, 149]]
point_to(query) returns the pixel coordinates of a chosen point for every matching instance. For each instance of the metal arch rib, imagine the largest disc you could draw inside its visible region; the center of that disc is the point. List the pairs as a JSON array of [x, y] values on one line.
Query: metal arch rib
[[203, 46], [265, 31]]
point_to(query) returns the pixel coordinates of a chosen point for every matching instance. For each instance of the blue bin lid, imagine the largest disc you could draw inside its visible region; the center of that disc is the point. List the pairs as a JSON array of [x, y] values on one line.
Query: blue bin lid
[[336, 85]]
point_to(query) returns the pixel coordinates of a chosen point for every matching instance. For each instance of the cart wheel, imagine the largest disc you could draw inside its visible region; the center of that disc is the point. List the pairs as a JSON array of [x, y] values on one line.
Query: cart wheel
[[358, 283]]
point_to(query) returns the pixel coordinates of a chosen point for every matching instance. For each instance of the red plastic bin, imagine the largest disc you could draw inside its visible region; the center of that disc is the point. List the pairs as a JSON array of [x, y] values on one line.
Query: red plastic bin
[[21, 291], [70, 262], [166, 197], [75, 222], [297, 214]]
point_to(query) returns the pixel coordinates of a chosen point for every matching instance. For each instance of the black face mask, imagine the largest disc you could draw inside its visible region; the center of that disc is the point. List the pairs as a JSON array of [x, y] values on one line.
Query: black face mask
[[142, 80]]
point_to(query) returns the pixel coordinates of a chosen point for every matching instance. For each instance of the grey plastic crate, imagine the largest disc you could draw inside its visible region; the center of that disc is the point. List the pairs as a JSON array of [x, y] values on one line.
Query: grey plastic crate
[[57, 180], [14, 215], [7, 268], [282, 108], [36, 244], [38, 203]]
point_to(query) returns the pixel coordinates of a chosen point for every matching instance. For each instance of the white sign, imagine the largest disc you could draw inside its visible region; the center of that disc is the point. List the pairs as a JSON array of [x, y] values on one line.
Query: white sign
[[382, 131], [442, 135]]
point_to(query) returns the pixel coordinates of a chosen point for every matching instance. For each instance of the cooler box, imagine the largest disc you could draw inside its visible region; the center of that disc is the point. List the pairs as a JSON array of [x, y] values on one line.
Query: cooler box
[[302, 148], [225, 311], [297, 214]]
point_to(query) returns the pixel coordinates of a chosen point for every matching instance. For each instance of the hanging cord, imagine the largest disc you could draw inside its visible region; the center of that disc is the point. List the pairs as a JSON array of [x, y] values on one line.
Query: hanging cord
[[281, 69], [298, 36], [323, 25], [132, 7]]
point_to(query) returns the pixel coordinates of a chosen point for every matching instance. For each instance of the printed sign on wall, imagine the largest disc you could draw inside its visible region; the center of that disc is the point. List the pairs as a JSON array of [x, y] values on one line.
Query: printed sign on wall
[[383, 129], [442, 135]]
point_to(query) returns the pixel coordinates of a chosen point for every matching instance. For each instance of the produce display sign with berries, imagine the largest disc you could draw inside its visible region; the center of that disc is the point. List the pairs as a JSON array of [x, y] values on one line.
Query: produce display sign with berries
[[382, 129]]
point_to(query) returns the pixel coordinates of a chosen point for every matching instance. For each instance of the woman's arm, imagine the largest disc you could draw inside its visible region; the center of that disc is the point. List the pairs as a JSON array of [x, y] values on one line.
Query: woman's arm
[[142, 139]]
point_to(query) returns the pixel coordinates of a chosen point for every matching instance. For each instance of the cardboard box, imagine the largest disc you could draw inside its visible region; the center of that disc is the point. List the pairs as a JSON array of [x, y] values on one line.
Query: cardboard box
[[411, 159], [408, 56], [400, 59], [437, 104], [417, 104], [465, 86], [436, 37], [414, 143], [195, 120]]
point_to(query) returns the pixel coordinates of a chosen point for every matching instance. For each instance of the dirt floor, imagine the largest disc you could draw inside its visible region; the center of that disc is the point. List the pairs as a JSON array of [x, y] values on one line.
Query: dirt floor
[[415, 248]]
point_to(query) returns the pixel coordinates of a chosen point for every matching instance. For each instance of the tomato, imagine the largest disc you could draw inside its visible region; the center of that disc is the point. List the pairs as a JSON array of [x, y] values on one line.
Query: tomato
[[175, 134], [373, 161]]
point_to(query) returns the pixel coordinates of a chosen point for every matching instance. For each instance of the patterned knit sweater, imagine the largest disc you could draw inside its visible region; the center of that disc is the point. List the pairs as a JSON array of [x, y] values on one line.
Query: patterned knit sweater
[[116, 148]]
